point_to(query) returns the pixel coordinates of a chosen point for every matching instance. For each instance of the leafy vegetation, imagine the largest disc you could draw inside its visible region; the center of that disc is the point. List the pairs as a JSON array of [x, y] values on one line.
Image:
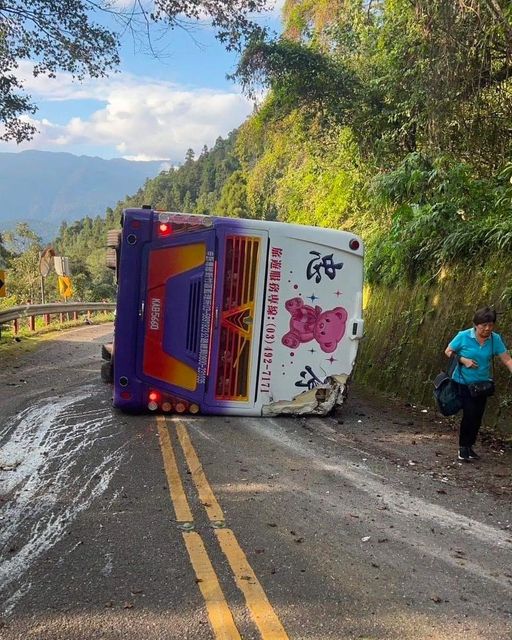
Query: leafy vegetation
[[391, 119]]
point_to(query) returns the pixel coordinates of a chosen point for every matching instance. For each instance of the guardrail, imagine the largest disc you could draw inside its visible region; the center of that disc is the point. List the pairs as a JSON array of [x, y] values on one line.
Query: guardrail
[[30, 311]]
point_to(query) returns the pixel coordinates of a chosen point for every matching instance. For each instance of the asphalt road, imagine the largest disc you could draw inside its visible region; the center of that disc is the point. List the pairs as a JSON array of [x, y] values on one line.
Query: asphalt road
[[359, 526]]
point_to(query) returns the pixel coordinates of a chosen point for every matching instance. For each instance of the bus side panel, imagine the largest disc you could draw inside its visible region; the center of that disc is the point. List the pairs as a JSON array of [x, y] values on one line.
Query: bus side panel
[[312, 313]]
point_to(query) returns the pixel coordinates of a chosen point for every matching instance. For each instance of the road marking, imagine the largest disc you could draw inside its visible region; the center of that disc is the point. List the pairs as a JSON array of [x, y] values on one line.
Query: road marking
[[218, 610], [176, 491], [206, 495], [257, 602], [221, 618], [261, 610]]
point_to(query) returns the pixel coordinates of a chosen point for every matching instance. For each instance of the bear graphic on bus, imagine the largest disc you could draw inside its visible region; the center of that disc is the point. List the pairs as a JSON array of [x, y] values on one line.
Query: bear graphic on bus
[[311, 323]]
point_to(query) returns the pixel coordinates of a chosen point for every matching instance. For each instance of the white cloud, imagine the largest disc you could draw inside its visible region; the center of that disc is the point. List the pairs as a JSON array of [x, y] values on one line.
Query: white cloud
[[277, 7], [136, 117]]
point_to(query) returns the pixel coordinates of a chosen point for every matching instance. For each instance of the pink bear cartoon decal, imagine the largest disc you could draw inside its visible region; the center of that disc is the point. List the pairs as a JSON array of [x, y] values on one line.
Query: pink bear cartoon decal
[[308, 323]]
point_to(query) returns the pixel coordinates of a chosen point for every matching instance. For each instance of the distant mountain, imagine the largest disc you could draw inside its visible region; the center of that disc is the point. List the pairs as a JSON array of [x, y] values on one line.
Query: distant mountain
[[45, 188]]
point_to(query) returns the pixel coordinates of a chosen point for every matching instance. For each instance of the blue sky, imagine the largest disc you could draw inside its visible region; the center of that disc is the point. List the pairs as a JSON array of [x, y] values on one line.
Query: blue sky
[[152, 109]]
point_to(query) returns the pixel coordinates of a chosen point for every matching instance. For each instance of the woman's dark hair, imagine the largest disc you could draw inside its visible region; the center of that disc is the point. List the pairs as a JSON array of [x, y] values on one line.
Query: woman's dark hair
[[484, 315]]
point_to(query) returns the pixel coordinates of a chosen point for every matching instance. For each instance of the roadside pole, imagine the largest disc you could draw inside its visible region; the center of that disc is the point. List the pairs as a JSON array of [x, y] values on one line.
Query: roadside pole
[[42, 279], [45, 264], [3, 292]]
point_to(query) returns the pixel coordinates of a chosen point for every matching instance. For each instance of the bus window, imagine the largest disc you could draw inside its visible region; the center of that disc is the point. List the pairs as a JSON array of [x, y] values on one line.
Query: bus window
[[229, 316]]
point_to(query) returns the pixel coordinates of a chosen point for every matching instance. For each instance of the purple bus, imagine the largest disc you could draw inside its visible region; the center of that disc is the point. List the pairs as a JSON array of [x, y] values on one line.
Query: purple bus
[[230, 316]]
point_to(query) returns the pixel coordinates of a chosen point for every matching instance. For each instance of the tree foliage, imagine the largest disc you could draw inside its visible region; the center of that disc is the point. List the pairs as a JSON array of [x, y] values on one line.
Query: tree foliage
[[391, 119], [57, 35], [405, 75], [425, 97], [195, 186], [70, 36], [83, 242], [23, 246], [298, 76]]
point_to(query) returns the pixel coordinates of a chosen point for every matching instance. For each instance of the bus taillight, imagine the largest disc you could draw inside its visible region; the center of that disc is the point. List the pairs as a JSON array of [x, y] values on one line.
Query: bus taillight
[[164, 229], [154, 399]]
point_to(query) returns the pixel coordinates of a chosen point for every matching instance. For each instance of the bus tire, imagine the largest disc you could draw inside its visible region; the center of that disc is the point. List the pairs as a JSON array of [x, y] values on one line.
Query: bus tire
[[107, 371], [113, 238], [106, 351], [111, 258]]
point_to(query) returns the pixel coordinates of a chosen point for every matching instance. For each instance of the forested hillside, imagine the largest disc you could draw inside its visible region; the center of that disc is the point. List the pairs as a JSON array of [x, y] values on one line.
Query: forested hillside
[[391, 119], [388, 118]]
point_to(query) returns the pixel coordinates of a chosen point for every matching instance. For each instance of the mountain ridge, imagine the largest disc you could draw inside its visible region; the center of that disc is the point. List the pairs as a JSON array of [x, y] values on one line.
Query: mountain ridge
[[44, 188]]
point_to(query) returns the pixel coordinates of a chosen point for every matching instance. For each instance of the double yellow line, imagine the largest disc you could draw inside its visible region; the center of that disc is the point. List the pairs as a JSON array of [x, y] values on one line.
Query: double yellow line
[[219, 613]]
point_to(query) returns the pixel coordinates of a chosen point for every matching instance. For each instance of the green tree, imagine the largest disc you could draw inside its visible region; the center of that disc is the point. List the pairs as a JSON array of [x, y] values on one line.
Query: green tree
[[233, 200], [24, 247], [405, 75]]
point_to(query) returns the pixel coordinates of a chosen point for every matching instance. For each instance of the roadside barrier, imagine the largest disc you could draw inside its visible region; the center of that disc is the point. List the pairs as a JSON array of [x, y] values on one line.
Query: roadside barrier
[[31, 311]]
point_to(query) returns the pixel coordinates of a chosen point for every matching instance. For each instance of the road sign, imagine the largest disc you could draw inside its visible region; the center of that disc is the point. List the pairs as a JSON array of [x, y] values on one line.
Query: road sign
[[61, 264], [65, 287], [46, 261], [3, 292]]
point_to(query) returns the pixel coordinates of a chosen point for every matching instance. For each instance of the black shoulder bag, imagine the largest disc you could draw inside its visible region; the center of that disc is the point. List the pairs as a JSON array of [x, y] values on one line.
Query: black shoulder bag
[[485, 388], [446, 392]]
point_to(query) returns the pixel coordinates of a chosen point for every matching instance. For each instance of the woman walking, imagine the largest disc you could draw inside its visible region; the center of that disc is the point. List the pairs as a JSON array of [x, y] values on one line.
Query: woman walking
[[475, 348]]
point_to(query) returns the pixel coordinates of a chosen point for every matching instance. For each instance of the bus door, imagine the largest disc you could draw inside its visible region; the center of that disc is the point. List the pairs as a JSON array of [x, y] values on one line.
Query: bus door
[[236, 330], [178, 274]]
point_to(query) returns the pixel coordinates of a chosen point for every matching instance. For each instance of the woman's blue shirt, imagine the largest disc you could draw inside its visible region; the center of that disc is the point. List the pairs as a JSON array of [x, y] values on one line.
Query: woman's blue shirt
[[466, 345]]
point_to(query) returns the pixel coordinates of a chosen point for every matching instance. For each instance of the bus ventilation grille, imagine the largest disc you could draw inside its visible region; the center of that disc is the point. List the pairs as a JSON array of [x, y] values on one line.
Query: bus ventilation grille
[[194, 317], [236, 331]]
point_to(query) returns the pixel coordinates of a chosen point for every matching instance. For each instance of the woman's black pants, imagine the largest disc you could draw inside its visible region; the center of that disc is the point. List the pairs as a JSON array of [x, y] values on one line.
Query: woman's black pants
[[472, 414]]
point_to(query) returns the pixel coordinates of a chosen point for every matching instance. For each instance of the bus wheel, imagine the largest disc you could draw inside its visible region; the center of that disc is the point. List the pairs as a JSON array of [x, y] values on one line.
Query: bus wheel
[[107, 350], [113, 238], [107, 371], [111, 258]]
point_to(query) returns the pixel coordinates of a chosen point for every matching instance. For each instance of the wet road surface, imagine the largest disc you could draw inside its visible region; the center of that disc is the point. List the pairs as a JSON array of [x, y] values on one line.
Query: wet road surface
[[360, 526]]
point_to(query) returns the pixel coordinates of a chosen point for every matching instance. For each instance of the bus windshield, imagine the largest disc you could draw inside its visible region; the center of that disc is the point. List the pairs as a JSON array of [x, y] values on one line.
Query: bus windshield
[[230, 316]]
